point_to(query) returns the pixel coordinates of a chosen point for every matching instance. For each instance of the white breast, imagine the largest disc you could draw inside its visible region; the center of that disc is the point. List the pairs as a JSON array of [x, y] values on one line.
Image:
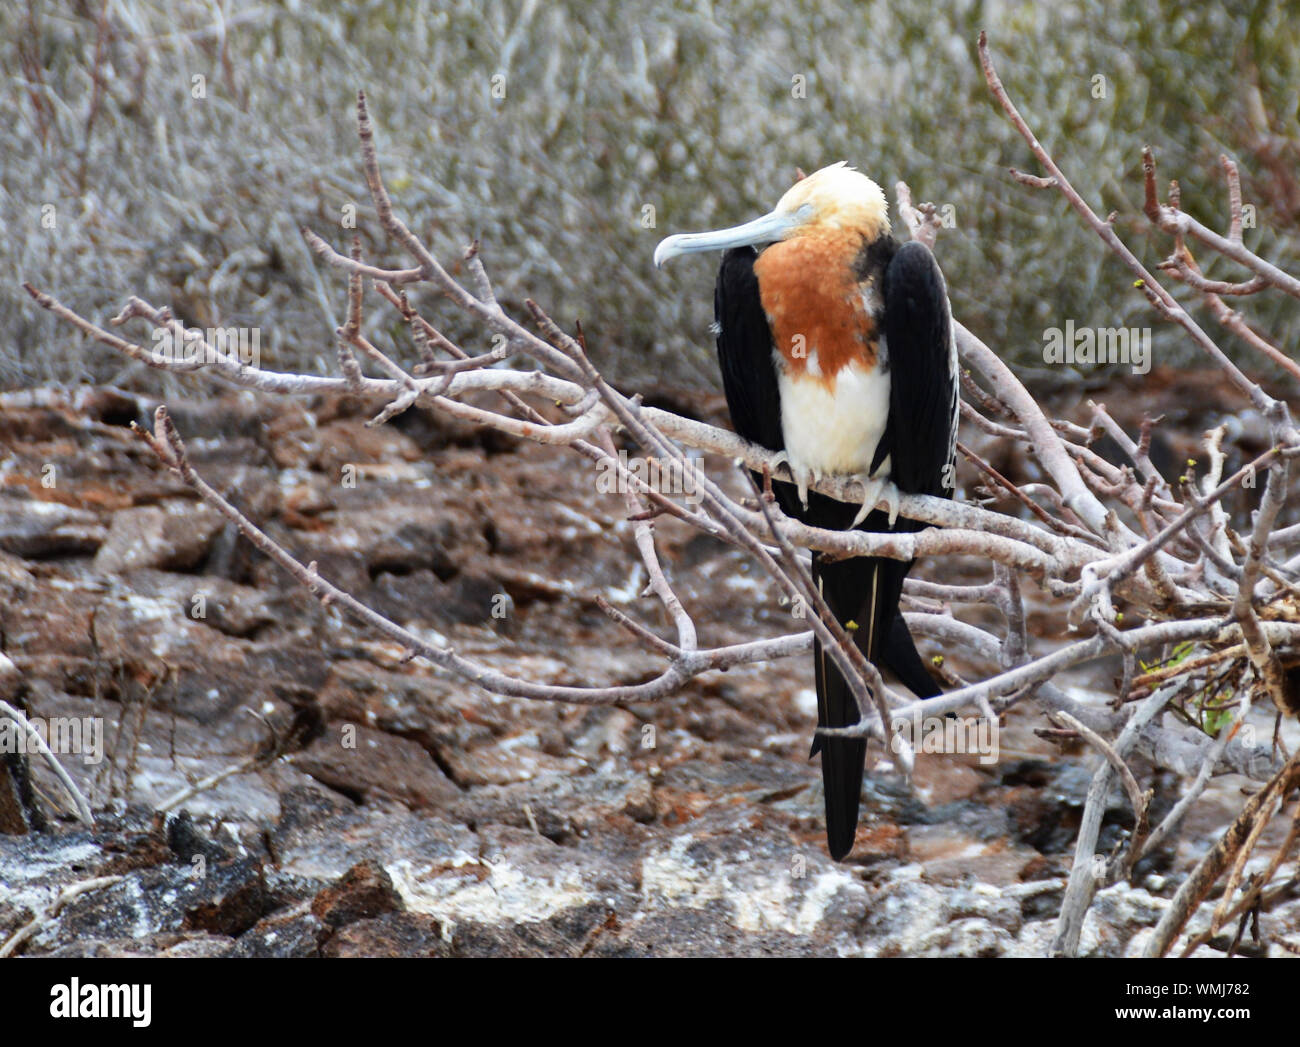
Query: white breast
[[833, 428]]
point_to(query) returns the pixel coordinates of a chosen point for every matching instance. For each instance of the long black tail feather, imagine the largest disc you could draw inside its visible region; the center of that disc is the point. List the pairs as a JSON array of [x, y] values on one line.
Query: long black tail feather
[[863, 594]]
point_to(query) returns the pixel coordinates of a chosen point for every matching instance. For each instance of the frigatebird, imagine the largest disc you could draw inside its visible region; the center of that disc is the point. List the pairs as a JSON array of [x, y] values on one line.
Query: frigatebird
[[836, 348]]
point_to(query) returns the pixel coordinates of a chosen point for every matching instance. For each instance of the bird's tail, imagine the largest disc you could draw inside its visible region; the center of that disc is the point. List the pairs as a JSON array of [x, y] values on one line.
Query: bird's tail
[[863, 594]]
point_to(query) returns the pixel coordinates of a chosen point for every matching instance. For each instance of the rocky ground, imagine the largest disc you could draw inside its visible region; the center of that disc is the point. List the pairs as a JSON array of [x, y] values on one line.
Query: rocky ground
[[385, 808]]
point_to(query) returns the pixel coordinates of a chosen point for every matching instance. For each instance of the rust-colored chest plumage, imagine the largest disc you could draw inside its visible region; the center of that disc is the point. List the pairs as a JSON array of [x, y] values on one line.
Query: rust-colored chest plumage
[[820, 292], [817, 302]]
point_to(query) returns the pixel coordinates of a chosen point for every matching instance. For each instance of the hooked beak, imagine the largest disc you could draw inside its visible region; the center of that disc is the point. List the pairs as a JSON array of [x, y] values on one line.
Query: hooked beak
[[765, 230]]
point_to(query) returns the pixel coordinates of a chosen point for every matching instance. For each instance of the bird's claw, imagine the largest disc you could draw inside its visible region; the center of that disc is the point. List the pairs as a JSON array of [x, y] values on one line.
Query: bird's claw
[[890, 494], [875, 489], [802, 478]]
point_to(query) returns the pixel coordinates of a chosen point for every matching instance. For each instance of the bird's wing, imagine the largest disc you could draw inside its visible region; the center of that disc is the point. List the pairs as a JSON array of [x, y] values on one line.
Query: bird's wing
[[921, 433], [745, 352]]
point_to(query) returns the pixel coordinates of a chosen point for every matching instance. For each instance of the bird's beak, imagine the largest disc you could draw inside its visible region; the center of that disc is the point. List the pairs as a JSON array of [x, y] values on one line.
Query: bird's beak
[[766, 230]]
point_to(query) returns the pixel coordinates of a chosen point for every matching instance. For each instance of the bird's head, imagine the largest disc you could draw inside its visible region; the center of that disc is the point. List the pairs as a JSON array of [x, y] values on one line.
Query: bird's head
[[836, 197]]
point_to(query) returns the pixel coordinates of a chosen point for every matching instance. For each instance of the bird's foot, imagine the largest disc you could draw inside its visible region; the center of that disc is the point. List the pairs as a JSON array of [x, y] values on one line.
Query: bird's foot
[[875, 488], [781, 458], [802, 478]]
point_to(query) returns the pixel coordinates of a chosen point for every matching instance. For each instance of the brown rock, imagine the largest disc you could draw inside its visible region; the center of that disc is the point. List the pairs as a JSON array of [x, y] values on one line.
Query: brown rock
[[881, 841], [174, 536], [497, 765], [233, 899], [367, 764], [38, 530], [946, 778], [393, 934], [18, 813], [363, 892]]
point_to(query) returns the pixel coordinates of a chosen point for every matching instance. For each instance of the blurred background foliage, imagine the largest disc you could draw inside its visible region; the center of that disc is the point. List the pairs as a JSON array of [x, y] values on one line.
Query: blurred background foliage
[[619, 124]]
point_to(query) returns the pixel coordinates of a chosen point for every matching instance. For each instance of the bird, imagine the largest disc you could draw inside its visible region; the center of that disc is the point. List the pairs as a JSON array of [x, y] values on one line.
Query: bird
[[837, 350]]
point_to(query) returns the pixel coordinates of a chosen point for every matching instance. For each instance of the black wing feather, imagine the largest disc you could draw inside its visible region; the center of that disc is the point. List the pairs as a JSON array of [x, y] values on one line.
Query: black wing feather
[[920, 434], [745, 352]]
